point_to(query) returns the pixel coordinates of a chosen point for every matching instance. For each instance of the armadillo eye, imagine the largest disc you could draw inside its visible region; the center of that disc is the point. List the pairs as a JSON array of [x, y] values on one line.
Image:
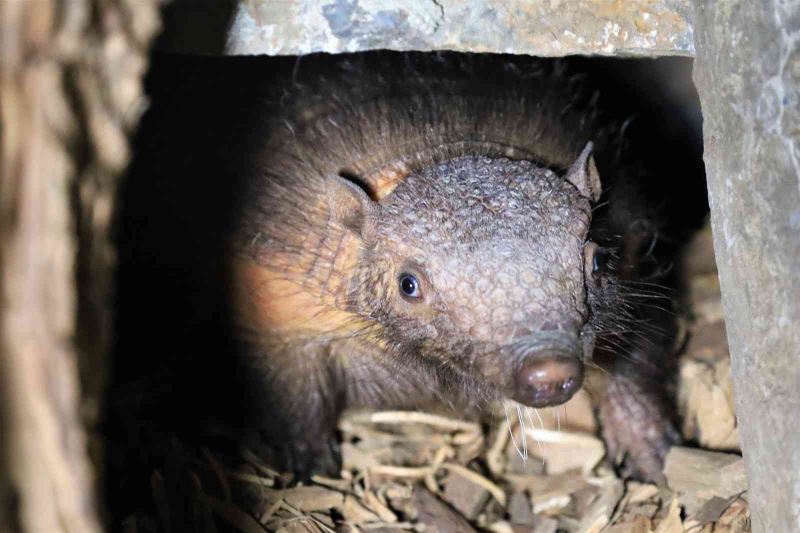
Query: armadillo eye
[[409, 286], [600, 260]]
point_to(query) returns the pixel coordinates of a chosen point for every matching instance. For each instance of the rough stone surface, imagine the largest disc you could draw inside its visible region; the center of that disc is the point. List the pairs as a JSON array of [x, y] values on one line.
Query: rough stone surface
[[748, 74], [543, 28]]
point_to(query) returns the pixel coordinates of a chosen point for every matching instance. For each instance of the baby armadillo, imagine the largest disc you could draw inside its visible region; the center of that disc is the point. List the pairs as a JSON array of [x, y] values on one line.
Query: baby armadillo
[[424, 229]]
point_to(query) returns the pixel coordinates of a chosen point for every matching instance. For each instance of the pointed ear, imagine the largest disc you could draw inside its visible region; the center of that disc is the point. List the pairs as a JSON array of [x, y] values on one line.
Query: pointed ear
[[349, 205], [584, 176]]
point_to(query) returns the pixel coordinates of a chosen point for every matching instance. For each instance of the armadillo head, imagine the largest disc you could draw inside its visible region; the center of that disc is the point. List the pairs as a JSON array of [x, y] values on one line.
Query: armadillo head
[[480, 268]]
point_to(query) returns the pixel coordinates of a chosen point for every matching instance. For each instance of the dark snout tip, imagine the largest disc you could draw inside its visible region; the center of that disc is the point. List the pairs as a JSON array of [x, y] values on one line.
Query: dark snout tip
[[548, 379]]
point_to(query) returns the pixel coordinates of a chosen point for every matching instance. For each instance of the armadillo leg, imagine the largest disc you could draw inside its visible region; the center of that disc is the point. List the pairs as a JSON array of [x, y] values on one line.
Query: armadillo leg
[[637, 411], [637, 428]]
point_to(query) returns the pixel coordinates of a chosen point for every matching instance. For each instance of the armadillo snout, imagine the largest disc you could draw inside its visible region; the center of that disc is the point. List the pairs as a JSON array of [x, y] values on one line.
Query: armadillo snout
[[547, 379]]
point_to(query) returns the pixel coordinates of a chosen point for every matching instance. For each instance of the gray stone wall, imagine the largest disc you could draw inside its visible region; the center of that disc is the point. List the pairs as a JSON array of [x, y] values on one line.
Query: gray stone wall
[[748, 76], [543, 28]]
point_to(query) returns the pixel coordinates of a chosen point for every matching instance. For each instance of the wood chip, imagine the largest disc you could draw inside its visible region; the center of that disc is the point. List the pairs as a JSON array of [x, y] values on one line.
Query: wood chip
[[477, 479], [562, 451], [704, 295], [495, 455], [377, 506], [548, 492], [323, 519], [519, 509], [465, 496], [436, 515], [502, 527], [307, 499], [548, 525], [417, 472], [357, 459], [598, 515], [706, 398], [712, 510], [341, 485], [417, 417], [641, 492], [699, 256], [353, 511], [639, 524], [703, 475], [544, 524], [380, 527], [737, 516], [672, 521]]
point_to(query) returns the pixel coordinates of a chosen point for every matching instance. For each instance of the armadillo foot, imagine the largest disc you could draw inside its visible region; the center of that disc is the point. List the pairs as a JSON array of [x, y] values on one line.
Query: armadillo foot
[[637, 430]]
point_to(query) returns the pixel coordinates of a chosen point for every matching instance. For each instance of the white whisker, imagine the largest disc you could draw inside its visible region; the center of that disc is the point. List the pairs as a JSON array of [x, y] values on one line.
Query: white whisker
[[523, 432], [539, 417], [533, 426], [511, 432]]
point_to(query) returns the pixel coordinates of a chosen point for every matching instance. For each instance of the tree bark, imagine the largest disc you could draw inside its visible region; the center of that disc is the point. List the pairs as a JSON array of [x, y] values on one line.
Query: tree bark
[[70, 94]]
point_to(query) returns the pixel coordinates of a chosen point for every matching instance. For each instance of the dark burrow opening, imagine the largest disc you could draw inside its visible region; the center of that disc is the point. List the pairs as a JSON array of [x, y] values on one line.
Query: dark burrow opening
[[176, 394]]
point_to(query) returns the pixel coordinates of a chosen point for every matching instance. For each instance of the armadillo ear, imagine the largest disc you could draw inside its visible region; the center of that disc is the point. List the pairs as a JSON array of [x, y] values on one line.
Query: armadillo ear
[[350, 205], [583, 174]]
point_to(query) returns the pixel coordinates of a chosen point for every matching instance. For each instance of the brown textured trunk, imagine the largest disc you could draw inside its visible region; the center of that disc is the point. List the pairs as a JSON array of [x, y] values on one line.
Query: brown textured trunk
[[70, 92]]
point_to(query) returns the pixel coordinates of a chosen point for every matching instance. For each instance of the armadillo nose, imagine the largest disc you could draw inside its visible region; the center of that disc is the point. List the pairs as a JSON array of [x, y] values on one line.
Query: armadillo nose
[[548, 379]]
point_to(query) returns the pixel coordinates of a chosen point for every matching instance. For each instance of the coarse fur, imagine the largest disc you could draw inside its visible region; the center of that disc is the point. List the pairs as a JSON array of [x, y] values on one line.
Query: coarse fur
[[465, 172]]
